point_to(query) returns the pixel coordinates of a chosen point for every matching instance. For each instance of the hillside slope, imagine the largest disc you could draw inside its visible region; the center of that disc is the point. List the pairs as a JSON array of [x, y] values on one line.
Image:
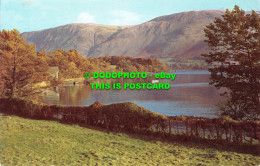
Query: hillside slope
[[39, 142], [73, 36], [175, 35]]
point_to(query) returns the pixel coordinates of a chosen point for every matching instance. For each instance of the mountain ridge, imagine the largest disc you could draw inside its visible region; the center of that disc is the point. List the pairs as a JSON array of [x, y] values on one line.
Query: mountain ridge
[[175, 35]]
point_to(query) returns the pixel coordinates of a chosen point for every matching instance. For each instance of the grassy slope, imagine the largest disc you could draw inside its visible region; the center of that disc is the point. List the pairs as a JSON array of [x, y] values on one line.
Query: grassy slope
[[27, 142]]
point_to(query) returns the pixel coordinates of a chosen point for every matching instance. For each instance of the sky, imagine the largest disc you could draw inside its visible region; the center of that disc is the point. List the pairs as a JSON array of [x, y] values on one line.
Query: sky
[[34, 15]]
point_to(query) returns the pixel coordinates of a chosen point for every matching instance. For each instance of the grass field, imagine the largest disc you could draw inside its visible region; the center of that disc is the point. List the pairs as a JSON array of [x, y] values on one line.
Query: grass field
[[35, 142]]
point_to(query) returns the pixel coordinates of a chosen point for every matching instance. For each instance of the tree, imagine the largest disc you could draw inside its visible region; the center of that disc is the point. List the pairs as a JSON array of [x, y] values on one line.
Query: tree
[[235, 61], [21, 65]]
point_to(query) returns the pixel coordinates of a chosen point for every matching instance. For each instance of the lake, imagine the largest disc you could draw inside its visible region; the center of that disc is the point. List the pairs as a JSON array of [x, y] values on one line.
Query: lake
[[189, 95]]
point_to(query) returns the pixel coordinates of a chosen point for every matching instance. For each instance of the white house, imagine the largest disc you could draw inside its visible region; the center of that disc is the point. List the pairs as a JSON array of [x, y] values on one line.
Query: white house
[[54, 72]]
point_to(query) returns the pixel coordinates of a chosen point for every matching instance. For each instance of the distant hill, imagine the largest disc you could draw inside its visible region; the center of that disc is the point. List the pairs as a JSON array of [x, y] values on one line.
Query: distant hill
[[176, 35], [73, 36]]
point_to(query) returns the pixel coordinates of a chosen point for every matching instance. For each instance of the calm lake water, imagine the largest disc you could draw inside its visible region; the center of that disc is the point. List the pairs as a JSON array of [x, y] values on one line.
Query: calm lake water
[[189, 95]]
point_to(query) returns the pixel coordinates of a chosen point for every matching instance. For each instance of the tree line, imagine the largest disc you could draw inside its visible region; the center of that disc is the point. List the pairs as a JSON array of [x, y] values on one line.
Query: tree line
[[22, 66]]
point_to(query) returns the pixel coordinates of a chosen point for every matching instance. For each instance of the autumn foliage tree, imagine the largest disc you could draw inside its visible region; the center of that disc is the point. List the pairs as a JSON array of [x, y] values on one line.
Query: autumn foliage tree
[[235, 60], [73, 65], [21, 65]]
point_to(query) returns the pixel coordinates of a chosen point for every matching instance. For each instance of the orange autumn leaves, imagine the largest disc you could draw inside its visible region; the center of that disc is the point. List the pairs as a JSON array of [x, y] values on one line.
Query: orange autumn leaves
[[22, 65]]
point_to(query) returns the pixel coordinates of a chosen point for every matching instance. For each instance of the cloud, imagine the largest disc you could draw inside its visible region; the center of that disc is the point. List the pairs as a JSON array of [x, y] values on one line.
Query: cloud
[[42, 5], [85, 17], [122, 17], [31, 3]]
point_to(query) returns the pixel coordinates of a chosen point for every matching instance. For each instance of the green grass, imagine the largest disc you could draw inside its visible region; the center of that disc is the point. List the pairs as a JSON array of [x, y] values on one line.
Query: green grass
[[36, 142]]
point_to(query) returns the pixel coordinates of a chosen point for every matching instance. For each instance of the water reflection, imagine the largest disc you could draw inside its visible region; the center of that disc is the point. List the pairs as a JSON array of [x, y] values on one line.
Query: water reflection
[[189, 95]]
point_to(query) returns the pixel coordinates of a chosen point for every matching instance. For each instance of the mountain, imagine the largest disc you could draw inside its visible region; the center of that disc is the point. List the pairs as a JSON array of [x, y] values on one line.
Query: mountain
[[176, 35], [73, 36]]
